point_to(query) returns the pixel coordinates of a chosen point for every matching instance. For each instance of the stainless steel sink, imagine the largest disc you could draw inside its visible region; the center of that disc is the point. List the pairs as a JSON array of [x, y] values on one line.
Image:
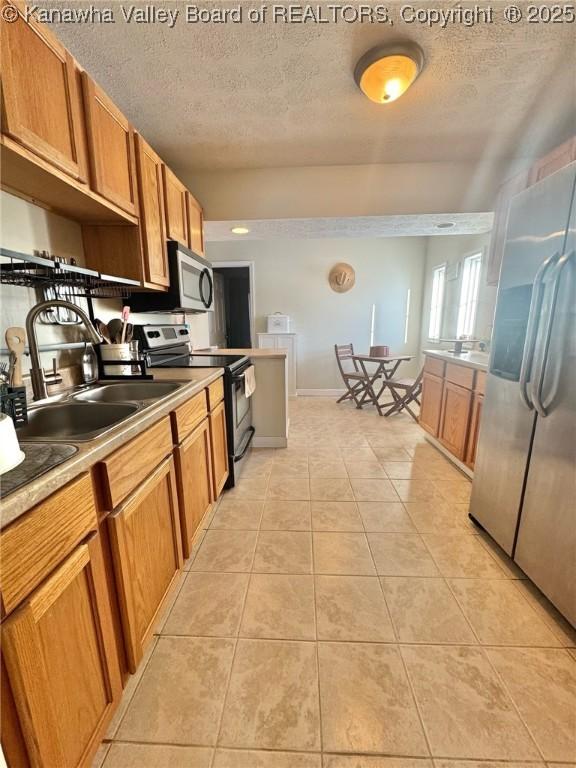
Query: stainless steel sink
[[123, 391], [74, 421]]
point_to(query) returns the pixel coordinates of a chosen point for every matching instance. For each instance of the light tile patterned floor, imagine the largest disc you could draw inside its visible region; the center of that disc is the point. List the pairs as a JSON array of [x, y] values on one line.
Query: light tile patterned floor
[[341, 611]]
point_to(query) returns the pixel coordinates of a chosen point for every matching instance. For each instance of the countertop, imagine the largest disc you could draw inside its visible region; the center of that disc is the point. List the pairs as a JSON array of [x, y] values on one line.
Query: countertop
[[478, 360], [89, 453], [250, 352]]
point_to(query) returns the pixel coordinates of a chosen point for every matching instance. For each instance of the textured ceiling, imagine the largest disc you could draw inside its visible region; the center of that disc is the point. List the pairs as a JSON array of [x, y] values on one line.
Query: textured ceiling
[[357, 226], [262, 95]]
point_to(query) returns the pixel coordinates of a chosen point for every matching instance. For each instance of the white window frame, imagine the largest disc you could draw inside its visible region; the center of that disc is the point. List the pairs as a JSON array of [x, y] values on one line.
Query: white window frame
[[469, 294], [436, 315]]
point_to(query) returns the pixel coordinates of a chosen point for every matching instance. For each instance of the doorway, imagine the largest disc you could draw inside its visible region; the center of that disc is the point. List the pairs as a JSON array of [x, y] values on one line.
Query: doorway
[[231, 323]]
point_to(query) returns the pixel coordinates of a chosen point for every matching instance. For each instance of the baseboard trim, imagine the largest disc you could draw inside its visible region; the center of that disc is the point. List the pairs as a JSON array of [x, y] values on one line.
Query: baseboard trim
[[450, 456], [320, 392], [270, 442]]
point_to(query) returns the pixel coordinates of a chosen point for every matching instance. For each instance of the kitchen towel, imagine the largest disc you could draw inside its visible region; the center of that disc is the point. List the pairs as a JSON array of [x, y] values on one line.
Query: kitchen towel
[[249, 381]]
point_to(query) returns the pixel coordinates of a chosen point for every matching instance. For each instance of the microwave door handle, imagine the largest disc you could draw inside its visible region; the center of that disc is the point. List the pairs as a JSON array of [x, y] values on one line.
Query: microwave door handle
[[205, 274], [531, 331], [541, 365]]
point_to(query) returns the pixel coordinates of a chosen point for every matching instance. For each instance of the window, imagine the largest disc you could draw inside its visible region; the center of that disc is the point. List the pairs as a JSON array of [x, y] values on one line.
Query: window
[[469, 296], [437, 301], [407, 317]]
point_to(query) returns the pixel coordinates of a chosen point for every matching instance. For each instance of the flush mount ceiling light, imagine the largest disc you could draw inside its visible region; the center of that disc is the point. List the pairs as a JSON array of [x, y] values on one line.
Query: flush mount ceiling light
[[384, 73], [239, 230]]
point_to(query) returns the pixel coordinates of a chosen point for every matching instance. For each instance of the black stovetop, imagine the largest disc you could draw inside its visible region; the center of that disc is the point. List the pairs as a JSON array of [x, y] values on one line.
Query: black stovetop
[[229, 362]]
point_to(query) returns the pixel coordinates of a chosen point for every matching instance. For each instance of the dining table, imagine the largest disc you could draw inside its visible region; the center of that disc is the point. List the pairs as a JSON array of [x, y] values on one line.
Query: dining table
[[385, 369]]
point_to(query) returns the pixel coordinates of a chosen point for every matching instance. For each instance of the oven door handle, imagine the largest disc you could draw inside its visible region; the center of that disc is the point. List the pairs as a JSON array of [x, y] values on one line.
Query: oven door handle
[[246, 445]]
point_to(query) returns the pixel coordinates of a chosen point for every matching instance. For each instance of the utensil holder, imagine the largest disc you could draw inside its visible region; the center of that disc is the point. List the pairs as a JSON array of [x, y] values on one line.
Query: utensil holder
[[115, 354], [13, 403], [114, 366]]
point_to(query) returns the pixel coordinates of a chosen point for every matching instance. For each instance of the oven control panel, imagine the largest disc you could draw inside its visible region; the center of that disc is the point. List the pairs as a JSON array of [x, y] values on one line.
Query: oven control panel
[[160, 336]]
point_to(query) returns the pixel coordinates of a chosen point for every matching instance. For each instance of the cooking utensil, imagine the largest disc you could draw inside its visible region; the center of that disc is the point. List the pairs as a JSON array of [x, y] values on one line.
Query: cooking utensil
[[115, 330], [16, 342], [103, 330], [125, 318], [129, 332]]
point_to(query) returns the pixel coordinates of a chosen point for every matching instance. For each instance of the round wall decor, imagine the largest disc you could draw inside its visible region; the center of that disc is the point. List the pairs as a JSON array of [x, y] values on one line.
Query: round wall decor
[[342, 277]]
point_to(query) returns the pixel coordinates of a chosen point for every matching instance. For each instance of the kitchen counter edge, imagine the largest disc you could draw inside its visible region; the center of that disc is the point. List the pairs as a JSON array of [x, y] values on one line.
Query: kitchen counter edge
[[28, 496], [477, 360]]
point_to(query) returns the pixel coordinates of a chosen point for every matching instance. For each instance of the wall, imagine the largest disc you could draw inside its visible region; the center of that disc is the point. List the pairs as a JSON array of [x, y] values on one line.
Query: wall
[[25, 227], [451, 249], [346, 190], [291, 276]]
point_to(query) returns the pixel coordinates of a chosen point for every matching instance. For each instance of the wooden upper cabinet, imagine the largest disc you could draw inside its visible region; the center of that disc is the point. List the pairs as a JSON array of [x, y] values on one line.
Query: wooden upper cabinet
[[58, 648], [111, 148], [195, 225], [147, 553], [41, 102], [553, 161], [152, 214], [176, 207]]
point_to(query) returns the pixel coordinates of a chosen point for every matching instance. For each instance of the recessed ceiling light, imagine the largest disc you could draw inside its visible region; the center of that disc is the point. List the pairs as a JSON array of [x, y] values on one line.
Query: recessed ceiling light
[[386, 72], [445, 225], [239, 230]]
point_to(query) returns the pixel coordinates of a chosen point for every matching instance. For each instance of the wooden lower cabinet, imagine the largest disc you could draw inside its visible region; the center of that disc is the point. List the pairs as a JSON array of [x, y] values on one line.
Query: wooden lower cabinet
[[194, 480], [430, 409], [219, 448], [473, 432], [147, 555], [62, 669], [455, 416]]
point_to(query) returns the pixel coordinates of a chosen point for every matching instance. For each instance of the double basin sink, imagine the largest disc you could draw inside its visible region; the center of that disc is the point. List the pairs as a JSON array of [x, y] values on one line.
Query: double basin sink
[[89, 413]]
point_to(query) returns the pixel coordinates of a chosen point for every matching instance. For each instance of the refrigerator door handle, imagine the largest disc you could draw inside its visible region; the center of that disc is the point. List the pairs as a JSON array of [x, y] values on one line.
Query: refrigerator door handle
[[542, 362], [531, 330]]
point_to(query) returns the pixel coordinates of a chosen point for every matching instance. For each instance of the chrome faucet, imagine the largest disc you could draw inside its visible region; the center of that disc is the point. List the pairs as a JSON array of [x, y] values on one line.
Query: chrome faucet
[[40, 379]]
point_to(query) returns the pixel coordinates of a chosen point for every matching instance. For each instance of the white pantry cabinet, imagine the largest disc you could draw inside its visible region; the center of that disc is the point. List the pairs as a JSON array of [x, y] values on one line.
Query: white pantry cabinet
[[285, 341]]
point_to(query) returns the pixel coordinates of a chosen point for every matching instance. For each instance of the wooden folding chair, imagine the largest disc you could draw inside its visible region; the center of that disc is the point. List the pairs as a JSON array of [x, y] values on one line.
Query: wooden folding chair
[[404, 392], [354, 380]]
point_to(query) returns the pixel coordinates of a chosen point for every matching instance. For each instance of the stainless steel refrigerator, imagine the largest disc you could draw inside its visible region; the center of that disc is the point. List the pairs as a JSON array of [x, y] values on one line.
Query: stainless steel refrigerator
[[524, 489]]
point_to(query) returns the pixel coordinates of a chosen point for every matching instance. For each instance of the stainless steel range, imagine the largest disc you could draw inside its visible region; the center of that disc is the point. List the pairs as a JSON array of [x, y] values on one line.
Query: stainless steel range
[[169, 346]]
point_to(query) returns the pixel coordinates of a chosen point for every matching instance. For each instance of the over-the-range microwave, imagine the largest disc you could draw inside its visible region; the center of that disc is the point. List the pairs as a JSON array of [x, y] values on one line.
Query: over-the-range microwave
[[191, 285]]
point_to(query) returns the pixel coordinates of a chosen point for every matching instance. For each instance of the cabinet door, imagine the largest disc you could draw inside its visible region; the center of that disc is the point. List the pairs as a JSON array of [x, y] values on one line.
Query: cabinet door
[[553, 161], [431, 407], [152, 214], [111, 148], [195, 225], [176, 207], [58, 650], [41, 102], [474, 430], [219, 449], [265, 341], [454, 419], [498, 238], [194, 480], [147, 554]]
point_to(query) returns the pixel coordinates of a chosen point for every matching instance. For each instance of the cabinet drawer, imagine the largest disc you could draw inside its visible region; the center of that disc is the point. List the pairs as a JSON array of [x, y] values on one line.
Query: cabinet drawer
[[480, 384], [215, 393], [188, 416], [434, 366], [460, 374], [125, 469], [35, 544]]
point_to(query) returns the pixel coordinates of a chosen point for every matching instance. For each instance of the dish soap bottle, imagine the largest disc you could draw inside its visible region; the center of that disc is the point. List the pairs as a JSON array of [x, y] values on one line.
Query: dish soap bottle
[[89, 364]]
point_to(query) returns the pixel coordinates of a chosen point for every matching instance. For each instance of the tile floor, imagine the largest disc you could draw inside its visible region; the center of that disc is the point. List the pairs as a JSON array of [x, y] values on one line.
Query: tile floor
[[341, 611]]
